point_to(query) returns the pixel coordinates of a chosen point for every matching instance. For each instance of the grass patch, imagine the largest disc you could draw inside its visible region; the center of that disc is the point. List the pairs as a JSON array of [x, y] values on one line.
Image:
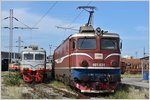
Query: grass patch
[[129, 93], [121, 94], [58, 84], [12, 79], [138, 94], [127, 75], [61, 85]]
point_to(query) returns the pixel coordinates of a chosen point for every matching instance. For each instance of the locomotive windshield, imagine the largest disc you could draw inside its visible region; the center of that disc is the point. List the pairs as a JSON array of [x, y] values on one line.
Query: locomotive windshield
[[87, 43], [28, 56], [39, 56], [109, 44]]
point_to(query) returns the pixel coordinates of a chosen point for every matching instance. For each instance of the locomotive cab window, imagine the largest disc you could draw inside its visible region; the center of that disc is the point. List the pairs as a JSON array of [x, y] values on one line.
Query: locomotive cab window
[[39, 56], [73, 45], [109, 44], [87, 43], [28, 56]]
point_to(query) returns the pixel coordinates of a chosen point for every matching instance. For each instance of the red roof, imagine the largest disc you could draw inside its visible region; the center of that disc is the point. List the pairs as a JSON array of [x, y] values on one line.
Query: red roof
[[132, 61]]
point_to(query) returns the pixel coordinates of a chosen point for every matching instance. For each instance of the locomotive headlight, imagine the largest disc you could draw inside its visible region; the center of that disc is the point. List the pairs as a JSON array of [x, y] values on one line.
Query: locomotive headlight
[[39, 67], [26, 68], [84, 63], [114, 63]]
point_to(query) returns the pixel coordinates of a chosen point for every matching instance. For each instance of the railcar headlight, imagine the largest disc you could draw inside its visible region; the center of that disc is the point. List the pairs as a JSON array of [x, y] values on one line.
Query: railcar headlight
[[85, 63]]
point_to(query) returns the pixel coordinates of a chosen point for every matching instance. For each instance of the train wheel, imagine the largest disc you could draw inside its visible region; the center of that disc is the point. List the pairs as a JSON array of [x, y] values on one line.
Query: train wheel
[[45, 78], [56, 77], [72, 83], [27, 78], [21, 75], [66, 80]]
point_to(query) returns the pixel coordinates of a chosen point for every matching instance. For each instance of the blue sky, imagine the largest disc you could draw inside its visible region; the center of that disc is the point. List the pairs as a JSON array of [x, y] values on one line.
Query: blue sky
[[128, 19]]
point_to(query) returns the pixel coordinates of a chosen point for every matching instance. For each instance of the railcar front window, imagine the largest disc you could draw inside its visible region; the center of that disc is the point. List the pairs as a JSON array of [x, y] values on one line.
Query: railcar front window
[[28, 56], [87, 43], [108, 44], [39, 57]]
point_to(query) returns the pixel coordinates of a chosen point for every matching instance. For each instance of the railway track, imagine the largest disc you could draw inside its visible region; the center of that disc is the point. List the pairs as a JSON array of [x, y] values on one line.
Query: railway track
[[70, 94], [46, 91]]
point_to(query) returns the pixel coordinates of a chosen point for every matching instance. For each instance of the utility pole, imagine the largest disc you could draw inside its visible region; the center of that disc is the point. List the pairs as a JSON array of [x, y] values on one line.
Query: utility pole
[[136, 53], [11, 27], [11, 34], [143, 62], [144, 52], [19, 44], [50, 48]]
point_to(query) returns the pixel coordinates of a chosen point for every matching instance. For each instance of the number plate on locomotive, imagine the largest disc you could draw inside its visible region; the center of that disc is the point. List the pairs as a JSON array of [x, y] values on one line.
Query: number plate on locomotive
[[98, 64], [98, 56]]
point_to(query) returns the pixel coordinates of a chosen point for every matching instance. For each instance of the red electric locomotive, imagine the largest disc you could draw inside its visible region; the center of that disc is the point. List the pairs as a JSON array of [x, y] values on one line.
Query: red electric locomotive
[[89, 60]]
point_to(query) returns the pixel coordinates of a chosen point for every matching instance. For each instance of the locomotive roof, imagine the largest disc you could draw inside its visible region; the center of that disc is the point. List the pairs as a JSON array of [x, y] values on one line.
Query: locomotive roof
[[94, 34], [31, 49], [82, 35], [89, 31], [111, 35]]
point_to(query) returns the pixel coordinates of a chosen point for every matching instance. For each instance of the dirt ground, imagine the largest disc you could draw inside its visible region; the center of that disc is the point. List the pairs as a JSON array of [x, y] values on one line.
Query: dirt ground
[[15, 92], [25, 92]]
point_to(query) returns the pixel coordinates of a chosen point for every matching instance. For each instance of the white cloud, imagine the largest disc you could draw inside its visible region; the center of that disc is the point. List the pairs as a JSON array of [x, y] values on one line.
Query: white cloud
[[31, 19], [47, 32]]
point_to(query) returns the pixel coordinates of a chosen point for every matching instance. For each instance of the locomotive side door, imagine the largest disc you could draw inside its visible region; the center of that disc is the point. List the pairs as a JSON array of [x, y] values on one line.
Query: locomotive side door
[[72, 49]]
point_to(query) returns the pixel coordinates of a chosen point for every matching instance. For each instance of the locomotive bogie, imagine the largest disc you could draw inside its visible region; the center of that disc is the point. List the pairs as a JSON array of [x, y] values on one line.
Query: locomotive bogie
[[63, 75], [30, 76], [96, 79]]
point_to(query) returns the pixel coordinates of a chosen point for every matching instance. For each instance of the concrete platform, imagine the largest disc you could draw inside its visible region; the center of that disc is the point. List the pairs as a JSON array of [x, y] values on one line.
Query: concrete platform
[[136, 82]]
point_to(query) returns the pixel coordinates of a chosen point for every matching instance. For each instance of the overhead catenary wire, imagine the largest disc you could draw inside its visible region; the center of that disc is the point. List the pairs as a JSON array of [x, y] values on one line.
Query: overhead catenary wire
[[67, 28], [46, 13], [75, 18], [78, 15], [28, 27], [5, 18], [11, 27]]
